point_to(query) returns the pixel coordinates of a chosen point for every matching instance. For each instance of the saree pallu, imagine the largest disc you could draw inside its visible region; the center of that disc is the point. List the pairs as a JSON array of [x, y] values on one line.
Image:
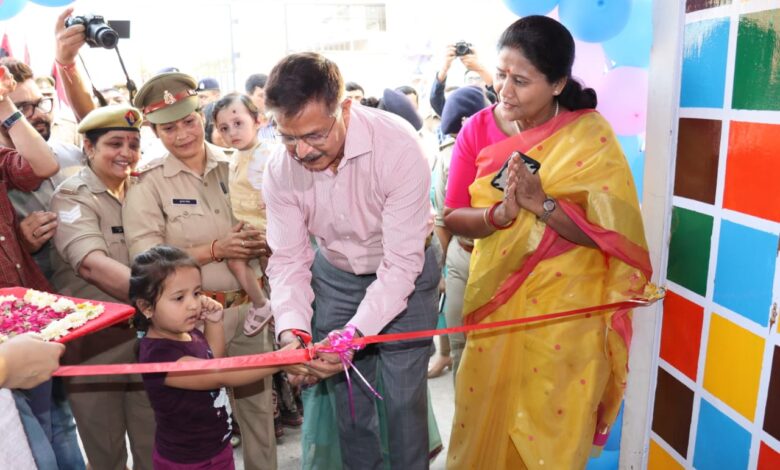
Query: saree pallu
[[538, 396]]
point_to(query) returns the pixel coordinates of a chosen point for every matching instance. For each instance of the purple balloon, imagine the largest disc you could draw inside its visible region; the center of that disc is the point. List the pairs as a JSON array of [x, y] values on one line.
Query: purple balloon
[[623, 99]]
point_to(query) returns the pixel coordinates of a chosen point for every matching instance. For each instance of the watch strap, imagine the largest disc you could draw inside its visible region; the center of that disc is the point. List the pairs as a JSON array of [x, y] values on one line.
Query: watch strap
[[12, 119]]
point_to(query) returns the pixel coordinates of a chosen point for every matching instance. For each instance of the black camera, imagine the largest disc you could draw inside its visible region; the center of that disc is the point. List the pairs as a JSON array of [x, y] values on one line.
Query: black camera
[[462, 48], [96, 30]]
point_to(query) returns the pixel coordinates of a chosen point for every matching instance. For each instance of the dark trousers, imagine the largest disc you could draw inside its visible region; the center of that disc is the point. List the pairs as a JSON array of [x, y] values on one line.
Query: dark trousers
[[403, 367]]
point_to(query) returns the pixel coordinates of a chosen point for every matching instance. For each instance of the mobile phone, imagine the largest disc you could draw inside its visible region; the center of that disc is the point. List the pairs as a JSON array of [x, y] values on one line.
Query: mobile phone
[[499, 181]]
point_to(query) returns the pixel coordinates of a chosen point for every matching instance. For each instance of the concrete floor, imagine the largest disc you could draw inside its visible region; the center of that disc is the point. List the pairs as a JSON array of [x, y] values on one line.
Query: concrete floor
[[442, 396]]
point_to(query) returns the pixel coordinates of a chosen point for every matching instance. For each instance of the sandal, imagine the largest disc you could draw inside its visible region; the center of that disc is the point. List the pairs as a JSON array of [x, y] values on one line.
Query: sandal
[[257, 319]]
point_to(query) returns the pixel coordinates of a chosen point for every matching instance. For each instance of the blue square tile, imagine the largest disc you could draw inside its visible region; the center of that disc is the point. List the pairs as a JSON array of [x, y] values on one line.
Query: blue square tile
[[720, 442], [704, 63], [745, 271]]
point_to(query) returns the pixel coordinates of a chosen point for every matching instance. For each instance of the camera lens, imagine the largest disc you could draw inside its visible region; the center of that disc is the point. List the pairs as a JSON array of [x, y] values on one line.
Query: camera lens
[[106, 37]]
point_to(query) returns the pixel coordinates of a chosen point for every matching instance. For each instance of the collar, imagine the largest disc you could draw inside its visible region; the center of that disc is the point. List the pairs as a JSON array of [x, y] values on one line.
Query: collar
[[358, 139], [93, 182], [214, 156]]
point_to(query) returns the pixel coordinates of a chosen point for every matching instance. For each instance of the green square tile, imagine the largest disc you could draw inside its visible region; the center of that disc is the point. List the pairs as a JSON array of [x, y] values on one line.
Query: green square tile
[[689, 249], [757, 69]]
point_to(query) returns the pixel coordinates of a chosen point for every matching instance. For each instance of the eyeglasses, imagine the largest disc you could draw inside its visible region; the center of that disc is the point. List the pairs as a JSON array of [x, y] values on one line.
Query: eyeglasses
[[312, 140], [44, 105]]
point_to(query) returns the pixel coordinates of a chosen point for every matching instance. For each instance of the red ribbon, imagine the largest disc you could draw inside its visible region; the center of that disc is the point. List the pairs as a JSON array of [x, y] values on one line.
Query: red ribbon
[[297, 356]]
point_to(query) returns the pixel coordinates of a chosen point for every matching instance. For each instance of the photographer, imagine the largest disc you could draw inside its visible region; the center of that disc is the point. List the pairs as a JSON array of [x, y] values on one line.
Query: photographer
[[469, 58], [69, 41]]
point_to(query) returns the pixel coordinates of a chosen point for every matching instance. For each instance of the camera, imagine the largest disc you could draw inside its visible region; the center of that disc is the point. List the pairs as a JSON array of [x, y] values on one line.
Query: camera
[[96, 30], [462, 48]]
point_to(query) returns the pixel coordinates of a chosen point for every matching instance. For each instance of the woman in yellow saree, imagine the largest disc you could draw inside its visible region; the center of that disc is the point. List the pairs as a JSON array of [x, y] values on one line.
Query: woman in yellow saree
[[539, 396]]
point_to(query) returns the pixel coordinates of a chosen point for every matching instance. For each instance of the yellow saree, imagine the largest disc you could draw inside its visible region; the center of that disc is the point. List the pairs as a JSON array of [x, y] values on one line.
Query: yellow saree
[[539, 396]]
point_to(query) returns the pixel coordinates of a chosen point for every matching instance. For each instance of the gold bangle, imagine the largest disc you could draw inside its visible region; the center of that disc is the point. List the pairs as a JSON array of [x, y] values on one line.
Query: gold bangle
[[485, 218]]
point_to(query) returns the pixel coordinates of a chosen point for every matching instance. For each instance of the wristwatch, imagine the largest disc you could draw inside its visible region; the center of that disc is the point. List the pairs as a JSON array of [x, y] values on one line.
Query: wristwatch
[[12, 119], [549, 206]]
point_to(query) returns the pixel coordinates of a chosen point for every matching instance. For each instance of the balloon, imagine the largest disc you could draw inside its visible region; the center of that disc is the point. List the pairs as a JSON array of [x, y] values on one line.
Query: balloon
[[594, 20], [530, 7], [635, 154], [608, 460], [9, 8], [52, 3], [632, 45], [622, 99], [590, 64]]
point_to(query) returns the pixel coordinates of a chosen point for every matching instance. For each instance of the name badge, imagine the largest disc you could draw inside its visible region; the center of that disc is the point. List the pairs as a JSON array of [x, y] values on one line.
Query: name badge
[[118, 229], [189, 202], [224, 188]]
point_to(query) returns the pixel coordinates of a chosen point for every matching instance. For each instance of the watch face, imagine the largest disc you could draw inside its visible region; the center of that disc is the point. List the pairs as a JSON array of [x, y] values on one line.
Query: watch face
[[548, 205]]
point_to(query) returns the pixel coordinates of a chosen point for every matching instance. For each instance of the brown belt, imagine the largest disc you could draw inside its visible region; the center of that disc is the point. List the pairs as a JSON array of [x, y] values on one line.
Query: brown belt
[[428, 240]]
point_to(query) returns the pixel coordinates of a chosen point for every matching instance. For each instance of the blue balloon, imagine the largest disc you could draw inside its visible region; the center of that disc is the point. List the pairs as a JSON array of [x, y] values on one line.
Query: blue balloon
[[594, 20], [531, 7], [9, 8], [632, 148], [52, 3], [632, 46], [608, 460]]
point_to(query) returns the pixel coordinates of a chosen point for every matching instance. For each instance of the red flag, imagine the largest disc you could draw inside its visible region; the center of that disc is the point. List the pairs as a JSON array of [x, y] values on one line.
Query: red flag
[[55, 73], [26, 54], [5, 47]]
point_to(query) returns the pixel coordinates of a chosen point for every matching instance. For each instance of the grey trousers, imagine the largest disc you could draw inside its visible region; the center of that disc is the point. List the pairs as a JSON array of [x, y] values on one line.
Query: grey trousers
[[457, 263], [403, 366]]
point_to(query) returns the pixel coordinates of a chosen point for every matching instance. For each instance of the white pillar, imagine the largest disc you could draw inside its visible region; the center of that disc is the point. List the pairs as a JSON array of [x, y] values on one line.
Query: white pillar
[[662, 115]]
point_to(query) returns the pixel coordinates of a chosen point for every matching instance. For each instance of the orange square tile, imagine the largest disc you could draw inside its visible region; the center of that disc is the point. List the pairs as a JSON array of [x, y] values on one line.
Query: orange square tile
[[753, 169], [768, 458]]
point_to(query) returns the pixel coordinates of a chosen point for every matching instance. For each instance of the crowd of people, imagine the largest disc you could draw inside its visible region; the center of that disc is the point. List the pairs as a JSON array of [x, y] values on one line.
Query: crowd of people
[[300, 211]]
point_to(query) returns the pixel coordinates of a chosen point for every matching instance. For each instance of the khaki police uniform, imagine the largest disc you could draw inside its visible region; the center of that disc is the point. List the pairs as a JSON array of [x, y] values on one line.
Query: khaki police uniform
[[105, 407], [171, 204]]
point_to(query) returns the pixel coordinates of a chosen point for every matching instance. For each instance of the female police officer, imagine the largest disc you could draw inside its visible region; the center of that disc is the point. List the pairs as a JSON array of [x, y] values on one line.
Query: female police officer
[[92, 262], [181, 200]]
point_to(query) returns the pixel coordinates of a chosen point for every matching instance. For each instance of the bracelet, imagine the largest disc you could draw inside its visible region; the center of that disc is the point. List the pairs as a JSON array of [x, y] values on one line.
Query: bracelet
[[491, 214], [65, 67], [485, 217], [12, 119], [213, 256]]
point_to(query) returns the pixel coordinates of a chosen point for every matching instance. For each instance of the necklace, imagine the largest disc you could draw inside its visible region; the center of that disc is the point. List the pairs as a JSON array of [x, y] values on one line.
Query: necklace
[[557, 108]]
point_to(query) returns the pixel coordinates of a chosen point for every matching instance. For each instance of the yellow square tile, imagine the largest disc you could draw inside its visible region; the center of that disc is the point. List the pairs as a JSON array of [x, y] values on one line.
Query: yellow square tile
[[733, 368], [659, 459]]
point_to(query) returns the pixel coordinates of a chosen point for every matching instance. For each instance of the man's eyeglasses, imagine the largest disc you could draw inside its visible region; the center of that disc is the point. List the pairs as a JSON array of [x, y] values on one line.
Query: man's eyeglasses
[[312, 140], [44, 105]]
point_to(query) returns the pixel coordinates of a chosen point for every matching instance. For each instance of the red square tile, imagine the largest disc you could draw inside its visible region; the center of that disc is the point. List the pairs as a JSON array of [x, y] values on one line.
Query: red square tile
[[681, 333]]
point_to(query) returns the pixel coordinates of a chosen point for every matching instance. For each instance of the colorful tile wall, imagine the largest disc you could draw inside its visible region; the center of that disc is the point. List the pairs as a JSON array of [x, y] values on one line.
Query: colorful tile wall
[[689, 249], [717, 398], [757, 70], [745, 271], [704, 64], [733, 365], [696, 169], [720, 442], [752, 168]]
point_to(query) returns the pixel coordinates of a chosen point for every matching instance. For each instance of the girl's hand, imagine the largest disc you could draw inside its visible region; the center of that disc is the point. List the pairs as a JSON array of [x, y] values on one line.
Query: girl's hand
[[210, 310]]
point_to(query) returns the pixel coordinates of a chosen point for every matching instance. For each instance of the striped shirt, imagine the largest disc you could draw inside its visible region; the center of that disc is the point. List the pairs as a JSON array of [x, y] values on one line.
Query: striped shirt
[[372, 216]]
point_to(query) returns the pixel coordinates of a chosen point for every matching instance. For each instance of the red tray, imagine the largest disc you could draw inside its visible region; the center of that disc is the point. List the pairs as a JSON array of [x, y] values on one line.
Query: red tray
[[112, 314]]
